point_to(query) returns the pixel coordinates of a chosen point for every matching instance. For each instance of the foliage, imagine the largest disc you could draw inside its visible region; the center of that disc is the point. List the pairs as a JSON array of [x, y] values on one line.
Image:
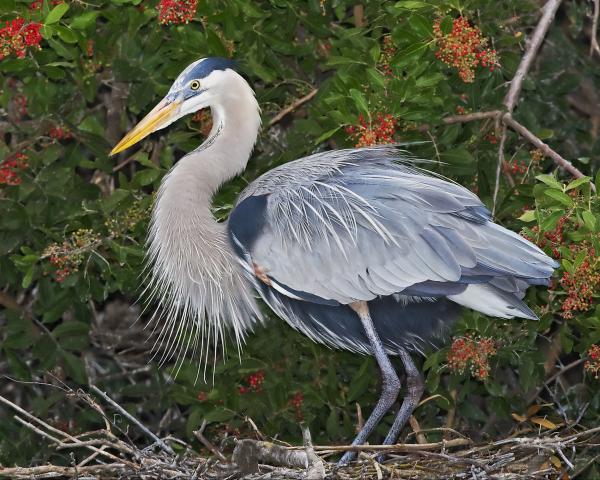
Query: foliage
[[73, 221]]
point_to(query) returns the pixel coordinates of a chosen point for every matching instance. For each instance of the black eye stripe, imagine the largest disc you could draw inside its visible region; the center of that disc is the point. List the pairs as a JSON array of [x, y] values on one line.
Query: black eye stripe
[[192, 93]]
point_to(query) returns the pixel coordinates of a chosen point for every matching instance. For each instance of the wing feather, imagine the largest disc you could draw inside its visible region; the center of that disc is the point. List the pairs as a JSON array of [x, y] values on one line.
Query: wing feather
[[356, 224]]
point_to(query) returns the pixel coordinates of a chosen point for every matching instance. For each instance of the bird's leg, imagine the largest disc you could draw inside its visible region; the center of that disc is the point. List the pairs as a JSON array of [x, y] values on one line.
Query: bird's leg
[[391, 383], [414, 391]]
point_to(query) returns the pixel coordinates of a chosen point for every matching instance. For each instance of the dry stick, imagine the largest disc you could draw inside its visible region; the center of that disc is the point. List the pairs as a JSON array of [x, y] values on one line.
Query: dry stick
[[25, 413], [414, 424], [508, 120], [46, 470], [594, 47], [199, 434], [131, 418], [290, 108], [399, 447], [314, 464], [512, 96]]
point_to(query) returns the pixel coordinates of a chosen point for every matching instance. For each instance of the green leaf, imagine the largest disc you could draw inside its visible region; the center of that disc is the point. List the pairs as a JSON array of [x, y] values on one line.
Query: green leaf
[[411, 5], [589, 219], [550, 180], [360, 101], [56, 13], [84, 20], [578, 182], [218, 415], [560, 196], [528, 216], [326, 135]]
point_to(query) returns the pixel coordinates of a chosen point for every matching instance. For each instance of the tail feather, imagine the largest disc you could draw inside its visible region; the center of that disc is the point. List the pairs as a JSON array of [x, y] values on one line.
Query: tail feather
[[492, 300]]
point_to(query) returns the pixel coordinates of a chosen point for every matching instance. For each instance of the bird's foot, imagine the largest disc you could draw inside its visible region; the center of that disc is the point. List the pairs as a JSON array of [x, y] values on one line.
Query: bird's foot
[[346, 459]]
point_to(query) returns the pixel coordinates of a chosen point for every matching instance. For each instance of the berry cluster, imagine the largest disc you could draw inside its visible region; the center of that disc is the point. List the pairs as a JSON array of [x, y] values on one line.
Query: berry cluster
[[202, 396], [176, 11], [377, 132], [89, 49], [255, 382], [387, 53], [472, 353], [37, 4], [17, 36], [66, 257], [296, 401], [582, 283], [464, 48], [536, 156], [552, 239], [20, 104], [204, 120], [126, 222], [9, 169], [491, 138], [515, 167], [592, 365], [59, 133]]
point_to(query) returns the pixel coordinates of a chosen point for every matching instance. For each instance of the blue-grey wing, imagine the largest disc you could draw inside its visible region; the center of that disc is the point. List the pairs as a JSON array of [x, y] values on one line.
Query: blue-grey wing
[[348, 225]]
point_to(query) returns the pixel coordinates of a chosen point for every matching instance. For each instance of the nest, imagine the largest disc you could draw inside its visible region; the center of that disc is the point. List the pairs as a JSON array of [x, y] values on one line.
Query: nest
[[110, 453]]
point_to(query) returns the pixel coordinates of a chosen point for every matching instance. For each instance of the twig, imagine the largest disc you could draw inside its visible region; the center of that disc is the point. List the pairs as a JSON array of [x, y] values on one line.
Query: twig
[[507, 119], [315, 466], [470, 117], [56, 470], [562, 371], [548, 12], [290, 108], [131, 418], [414, 424], [499, 165], [594, 47], [399, 447], [199, 434]]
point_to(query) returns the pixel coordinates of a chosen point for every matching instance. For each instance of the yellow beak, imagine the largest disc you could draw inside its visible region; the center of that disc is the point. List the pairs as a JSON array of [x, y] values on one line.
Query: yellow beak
[[150, 123]]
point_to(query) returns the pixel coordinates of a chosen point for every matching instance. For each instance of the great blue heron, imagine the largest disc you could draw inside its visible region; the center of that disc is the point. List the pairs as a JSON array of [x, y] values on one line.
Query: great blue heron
[[358, 249]]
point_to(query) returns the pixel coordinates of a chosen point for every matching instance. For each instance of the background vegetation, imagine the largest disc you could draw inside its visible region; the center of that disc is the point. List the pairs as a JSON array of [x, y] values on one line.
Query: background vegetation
[[76, 75]]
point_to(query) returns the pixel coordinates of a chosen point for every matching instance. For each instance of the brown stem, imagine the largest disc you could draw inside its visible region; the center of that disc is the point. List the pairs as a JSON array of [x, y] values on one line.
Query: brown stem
[[594, 47], [548, 12], [290, 108]]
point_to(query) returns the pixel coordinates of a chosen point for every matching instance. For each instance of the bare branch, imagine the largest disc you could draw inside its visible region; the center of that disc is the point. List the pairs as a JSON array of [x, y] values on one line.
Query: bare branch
[[199, 434], [131, 418], [594, 47], [548, 12], [507, 119], [289, 109]]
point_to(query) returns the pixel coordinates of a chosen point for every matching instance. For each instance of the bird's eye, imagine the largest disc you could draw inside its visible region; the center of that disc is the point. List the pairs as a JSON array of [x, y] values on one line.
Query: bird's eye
[[195, 85]]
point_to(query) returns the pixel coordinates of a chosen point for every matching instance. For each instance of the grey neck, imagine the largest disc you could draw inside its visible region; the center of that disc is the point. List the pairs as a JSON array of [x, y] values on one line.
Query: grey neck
[[194, 271]]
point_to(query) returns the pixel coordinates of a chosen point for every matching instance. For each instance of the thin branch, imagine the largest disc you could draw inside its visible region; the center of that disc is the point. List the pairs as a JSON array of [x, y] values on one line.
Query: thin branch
[[548, 12], [290, 108], [470, 117], [501, 162], [507, 119], [594, 47], [199, 434], [399, 447], [131, 418]]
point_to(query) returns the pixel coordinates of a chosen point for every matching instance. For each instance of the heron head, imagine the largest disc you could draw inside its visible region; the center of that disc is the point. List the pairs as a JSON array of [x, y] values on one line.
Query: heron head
[[200, 85]]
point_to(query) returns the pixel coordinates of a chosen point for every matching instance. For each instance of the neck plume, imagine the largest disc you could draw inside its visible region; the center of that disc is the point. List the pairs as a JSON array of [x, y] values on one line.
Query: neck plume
[[195, 279]]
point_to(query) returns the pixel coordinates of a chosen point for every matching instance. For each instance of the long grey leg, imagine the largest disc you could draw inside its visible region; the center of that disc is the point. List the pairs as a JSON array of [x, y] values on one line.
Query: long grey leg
[[391, 383], [414, 390]]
